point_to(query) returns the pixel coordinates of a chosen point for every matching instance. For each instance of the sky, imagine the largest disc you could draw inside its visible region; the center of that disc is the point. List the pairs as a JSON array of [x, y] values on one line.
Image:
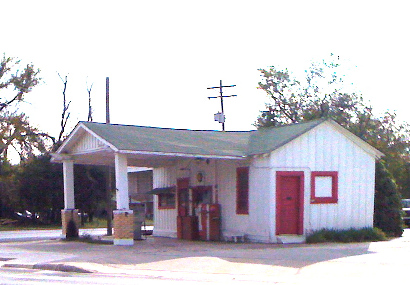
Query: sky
[[161, 56]]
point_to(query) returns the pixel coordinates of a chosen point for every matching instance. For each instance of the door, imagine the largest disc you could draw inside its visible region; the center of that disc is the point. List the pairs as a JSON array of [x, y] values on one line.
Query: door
[[289, 202], [183, 196]]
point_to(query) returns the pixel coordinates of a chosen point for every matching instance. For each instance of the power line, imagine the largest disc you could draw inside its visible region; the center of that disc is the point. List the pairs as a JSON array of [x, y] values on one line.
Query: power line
[[220, 117]]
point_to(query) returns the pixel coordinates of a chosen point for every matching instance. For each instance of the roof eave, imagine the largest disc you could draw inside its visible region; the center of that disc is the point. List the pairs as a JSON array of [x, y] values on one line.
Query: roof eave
[[78, 128], [358, 141], [183, 155]]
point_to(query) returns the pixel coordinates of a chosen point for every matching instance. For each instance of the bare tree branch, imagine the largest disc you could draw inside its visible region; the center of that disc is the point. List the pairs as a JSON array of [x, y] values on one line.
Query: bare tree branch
[[65, 115], [90, 110]]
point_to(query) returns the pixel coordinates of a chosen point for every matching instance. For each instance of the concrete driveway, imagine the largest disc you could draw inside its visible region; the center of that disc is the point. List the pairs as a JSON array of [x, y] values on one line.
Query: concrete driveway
[[377, 263]]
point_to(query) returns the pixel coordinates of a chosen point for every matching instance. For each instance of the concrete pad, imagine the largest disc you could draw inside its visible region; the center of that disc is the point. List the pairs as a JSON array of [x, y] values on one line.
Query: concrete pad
[[218, 261]]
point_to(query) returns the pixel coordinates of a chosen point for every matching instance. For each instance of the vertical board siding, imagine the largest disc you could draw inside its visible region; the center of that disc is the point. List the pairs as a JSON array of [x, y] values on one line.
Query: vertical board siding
[[324, 149], [165, 220], [232, 222], [87, 142]]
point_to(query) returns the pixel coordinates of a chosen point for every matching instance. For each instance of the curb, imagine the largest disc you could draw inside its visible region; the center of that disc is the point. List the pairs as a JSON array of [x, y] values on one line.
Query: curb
[[49, 266]]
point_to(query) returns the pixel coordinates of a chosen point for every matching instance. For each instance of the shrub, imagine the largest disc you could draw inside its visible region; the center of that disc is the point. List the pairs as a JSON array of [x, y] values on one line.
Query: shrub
[[346, 236], [387, 204]]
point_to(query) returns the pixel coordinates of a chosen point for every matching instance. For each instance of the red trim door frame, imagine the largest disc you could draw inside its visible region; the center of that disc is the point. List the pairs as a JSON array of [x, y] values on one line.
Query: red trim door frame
[[289, 202]]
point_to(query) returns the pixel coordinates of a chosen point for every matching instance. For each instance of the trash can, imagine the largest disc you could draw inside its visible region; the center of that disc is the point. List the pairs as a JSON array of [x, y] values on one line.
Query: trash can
[[139, 218]]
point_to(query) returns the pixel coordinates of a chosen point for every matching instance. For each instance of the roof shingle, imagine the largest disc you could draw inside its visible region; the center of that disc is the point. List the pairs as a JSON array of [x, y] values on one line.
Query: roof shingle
[[217, 143]]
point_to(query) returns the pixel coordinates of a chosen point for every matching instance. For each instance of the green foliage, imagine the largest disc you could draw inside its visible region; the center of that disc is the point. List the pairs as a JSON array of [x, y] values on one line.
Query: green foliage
[[9, 198], [40, 187], [16, 81], [323, 93], [89, 189], [387, 208], [346, 236]]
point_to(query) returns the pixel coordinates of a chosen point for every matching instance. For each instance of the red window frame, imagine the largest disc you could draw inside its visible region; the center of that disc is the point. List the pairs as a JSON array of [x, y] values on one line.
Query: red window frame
[[169, 197], [324, 200], [242, 191]]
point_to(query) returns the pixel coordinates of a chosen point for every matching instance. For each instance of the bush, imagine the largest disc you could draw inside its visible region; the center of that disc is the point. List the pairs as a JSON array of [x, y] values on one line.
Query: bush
[[387, 204], [346, 236]]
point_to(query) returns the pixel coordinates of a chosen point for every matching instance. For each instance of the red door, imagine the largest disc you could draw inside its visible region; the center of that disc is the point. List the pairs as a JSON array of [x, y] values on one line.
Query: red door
[[289, 202]]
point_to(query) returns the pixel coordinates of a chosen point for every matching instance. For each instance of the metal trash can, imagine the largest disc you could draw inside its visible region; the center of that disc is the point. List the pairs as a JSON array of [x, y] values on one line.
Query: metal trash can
[[139, 218]]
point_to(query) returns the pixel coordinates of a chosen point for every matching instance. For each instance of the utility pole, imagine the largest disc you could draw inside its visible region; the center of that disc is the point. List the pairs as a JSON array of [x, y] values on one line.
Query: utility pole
[[109, 170], [107, 100], [220, 117]]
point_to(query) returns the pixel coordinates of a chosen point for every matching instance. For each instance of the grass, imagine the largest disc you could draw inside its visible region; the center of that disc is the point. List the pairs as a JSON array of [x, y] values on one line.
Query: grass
[[96, 223], [346, 236], [15, 227]]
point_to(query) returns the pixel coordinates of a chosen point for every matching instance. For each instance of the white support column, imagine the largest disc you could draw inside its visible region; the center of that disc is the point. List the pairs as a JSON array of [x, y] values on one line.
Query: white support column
[[121, 180], [68, 174]]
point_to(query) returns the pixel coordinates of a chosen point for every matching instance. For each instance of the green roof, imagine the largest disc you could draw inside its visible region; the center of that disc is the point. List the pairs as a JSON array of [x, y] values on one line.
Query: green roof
[[190, 142], [266, 140], [172, 141]]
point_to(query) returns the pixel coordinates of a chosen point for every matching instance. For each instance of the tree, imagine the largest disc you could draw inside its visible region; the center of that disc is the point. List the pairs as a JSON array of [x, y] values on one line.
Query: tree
[[89, 189], [65, 115], [9, 198], [15, 130], [321, 94], [387, 206], [40, 186], [17, 83], [90, 109], [324, 94]]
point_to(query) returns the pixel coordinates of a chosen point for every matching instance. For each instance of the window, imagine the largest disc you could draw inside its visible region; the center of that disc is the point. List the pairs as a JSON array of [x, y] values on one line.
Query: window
[[242, 191], [324, 187], [166, 201]]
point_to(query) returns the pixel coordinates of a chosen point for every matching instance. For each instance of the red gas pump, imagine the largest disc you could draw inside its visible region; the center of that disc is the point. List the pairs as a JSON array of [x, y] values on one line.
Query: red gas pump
[[210, 222]]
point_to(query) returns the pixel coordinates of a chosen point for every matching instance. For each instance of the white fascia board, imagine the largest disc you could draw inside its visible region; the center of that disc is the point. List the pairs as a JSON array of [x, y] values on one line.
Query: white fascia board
[[187, 155], [58, 157], [356, 140], [81, 127], [101, 139], [69, 138]]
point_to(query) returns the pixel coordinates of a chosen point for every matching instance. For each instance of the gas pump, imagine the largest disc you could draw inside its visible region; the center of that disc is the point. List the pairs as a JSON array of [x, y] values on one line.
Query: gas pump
[[210, 222]]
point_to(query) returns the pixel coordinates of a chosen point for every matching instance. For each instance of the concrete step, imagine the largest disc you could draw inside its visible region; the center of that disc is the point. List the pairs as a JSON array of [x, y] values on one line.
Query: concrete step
[[289, 239]]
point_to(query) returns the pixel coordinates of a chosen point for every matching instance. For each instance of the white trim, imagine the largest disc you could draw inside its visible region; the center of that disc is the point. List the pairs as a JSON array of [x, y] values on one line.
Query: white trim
[[356, 140], [164, 233], [100, 138], [75, 132], [91, 150], [182, 154], [126, 242]]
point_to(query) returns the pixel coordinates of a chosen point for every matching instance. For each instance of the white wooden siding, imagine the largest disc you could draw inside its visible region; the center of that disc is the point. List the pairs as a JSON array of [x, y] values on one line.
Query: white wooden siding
[[165, 220], [231, 222], [324, 149], [87, 143], [321, 149], [221, 175]]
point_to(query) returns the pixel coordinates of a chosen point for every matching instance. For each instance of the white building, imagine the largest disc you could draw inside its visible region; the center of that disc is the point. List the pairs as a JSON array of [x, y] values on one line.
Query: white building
[[270, 185]]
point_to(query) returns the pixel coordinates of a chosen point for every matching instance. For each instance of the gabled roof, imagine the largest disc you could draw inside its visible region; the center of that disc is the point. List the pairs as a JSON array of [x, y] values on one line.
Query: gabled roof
[[171, 141], [217, 144], [266, 140]]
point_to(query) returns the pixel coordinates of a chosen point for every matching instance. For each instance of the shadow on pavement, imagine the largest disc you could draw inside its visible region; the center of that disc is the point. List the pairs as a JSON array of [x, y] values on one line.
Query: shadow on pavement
[[179, 253]]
